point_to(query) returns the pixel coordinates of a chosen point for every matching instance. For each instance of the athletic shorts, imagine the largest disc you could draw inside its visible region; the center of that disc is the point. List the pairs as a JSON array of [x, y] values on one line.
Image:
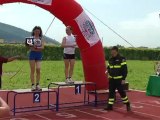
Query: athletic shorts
[[69, 56], [35, 56]]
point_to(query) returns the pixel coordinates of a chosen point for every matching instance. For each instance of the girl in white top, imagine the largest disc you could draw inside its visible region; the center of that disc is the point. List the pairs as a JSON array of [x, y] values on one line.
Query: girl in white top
[[69, 45]]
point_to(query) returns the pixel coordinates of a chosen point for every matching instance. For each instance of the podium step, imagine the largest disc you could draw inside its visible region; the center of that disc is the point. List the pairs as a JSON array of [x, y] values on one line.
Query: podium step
[[29, 90], [99, 92]]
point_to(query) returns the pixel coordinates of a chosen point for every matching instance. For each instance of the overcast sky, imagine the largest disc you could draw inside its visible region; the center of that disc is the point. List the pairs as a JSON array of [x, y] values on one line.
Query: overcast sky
[[136, 20]]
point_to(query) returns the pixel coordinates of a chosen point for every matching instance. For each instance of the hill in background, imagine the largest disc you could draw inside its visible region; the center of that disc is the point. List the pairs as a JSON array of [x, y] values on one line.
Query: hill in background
[[11, 34]]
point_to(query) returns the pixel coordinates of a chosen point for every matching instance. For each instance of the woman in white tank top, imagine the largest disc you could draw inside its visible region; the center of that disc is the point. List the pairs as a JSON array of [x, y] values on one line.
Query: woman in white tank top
[[69, 44]]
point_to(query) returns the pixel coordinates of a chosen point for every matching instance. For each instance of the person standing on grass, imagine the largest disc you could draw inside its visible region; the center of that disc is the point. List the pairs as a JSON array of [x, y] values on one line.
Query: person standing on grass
[[4, 108], [5, 60], [69, 45], [35, 57], [117, 72]]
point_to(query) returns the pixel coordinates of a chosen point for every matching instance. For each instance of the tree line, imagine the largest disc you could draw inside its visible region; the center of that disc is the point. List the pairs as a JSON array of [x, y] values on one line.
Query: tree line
[[56, 53]]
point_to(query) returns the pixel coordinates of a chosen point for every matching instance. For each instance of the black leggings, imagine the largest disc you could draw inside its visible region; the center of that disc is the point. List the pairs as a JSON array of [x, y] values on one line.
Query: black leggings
[[116, 84]]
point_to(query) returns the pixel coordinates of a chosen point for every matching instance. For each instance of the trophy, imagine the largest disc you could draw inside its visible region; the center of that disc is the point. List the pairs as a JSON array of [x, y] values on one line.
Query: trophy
[[157, 68]]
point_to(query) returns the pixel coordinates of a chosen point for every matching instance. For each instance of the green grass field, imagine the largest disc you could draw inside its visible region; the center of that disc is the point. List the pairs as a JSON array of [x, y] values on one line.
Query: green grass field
[[139, 72]]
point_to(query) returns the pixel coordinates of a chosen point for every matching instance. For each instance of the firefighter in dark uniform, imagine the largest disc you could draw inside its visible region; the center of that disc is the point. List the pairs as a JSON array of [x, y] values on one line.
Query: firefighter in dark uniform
[[117, 72]]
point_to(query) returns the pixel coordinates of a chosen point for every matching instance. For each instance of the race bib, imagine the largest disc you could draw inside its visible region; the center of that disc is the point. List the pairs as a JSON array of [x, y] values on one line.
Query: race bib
[[45, 2]]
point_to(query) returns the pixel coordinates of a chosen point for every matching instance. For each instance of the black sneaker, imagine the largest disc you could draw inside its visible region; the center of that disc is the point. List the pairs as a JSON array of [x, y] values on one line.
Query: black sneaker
[[109, 107], [128, 106]]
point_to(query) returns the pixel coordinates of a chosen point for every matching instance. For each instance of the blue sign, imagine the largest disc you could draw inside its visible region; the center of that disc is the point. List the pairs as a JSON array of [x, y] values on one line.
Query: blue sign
[[77, 89], [36, 97]]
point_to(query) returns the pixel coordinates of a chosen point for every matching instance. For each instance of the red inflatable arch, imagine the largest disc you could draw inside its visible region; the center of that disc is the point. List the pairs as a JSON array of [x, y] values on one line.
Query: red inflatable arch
[[71, 13]]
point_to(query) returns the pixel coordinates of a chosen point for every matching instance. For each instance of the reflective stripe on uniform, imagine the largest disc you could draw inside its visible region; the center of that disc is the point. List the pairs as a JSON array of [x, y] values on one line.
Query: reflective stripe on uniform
[[126, 101], [125, 98], [110, 66], [123, 63], [110, 76], [117, 77], [115, 66], [111, 99], [111, 103]]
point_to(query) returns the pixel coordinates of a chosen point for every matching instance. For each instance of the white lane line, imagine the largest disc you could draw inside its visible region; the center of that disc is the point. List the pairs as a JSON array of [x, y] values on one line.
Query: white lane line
[[43, 112], [137, 90], [45, 118], [98, 116], [143, 103], [142, 113], [147, 114]]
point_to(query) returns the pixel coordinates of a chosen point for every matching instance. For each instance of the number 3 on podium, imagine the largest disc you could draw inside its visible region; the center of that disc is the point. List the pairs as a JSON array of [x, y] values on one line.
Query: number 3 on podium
[[77, 89]]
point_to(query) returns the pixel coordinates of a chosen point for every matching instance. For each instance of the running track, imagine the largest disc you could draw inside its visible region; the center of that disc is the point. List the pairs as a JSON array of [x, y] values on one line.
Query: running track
[[143, 108]]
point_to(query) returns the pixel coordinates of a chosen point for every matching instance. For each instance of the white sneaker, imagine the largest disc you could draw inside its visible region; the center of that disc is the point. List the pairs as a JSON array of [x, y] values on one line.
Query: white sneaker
[[71, 81], [38, 88], [33, 88], [67, 81]]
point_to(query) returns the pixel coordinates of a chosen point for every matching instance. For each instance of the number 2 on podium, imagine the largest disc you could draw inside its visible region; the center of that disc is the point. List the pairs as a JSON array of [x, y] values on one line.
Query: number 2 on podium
[[36, 98]]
